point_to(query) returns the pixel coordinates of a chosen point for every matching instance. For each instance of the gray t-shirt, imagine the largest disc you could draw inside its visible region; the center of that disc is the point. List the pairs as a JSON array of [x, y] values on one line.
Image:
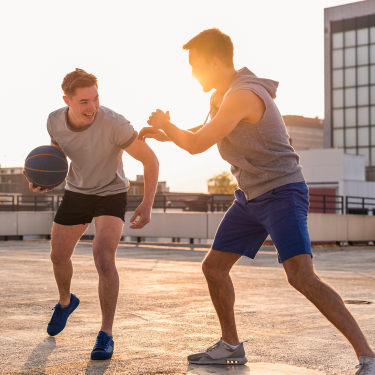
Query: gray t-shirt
[[95, 151]]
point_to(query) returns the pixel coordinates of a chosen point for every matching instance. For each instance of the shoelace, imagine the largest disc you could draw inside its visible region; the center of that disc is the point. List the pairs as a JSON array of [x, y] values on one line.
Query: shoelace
[[56, 314], [102, 342], [214, 346], [362, 366], [219, 344]]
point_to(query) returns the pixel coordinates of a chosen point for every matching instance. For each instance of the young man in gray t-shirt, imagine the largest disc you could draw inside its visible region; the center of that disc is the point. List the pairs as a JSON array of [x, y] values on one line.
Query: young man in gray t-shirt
[[94, 138]]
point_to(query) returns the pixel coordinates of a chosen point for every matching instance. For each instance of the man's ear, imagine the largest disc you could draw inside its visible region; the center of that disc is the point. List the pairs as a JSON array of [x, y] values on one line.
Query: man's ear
[[216, 63], [66, 100]]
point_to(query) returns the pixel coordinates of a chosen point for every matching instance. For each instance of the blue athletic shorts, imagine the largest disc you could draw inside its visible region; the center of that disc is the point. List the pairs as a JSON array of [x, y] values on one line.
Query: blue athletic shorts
[[281, 212]]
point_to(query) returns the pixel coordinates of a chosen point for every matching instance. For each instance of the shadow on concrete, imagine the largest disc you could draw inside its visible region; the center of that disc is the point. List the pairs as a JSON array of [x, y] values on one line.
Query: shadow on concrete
[[39, 356], [97, 367], [218, 369]]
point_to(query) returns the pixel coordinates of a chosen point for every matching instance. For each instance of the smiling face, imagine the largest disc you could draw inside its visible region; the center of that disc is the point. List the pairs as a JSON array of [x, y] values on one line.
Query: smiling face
[[83, 106], [203, 70]]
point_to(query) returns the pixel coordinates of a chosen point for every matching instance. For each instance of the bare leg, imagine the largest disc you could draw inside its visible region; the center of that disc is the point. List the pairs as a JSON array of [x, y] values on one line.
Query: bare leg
[[108, 230], [301, 275], [216, 267], [63, 241]]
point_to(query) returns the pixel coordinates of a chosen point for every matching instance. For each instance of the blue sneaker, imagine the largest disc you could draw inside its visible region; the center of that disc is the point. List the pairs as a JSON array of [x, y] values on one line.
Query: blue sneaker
[[103, 348], [60, 316]]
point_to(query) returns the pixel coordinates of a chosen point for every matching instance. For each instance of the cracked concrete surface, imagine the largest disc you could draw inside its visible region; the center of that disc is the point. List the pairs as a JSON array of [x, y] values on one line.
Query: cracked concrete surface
[[164, 312]]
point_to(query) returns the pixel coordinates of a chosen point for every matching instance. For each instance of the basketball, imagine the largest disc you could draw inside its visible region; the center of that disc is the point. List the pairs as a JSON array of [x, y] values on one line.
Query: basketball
[[46, 166]]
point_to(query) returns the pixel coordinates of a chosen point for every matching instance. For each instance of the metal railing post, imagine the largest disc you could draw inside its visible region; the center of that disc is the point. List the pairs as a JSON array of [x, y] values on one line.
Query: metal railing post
[[346, 204], [363, 206], [165, 203], [18, 202]]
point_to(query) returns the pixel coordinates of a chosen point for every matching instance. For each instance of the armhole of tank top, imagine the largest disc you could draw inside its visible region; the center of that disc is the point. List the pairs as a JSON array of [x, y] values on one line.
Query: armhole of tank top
[[265, 104]]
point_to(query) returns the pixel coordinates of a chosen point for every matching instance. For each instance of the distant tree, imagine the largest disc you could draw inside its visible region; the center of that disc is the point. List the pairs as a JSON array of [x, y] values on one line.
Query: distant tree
[[223, 183]]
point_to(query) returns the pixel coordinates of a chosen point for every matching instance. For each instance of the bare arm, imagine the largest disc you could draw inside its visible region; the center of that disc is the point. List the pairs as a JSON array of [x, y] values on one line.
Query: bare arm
[[194, 130], [159, 135], [57, 146], [142, 152], [242, 105]]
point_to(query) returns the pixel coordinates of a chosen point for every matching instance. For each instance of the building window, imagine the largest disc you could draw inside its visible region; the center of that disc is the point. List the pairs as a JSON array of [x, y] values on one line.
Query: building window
[[134, 190], [353, 86], [363, 116]]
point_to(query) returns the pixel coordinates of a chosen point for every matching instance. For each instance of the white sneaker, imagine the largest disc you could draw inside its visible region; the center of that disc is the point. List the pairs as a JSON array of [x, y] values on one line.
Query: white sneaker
[[220, 354], [366, 366]]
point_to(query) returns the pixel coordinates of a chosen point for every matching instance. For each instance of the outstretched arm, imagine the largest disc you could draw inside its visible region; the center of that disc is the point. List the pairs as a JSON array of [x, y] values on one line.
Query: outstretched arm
[[159, 135], [242, 105], [143, 153], [194, 130]]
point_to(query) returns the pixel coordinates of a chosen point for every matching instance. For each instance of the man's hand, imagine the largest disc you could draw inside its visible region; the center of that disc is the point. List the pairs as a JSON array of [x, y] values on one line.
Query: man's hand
[[36, 189], [143, 211], [157, 134], [158, 119]]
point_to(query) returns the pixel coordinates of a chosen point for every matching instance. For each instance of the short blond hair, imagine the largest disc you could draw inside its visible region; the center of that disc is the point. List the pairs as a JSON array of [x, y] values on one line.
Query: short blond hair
[[213, 43], [77, 79]]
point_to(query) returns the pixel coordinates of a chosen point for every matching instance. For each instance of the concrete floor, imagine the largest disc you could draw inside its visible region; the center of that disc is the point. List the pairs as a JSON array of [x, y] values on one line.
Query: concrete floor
[[164, 313]]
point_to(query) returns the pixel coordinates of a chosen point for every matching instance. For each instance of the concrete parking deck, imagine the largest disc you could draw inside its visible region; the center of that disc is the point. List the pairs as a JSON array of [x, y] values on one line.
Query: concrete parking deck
[[164, 313]]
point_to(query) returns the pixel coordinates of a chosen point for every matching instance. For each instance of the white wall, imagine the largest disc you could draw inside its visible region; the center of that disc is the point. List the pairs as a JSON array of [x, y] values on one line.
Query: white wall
[[324, 165], [332, 165], [8, 223], [354, 167], [322, 227], [347, 172], [359, 189]]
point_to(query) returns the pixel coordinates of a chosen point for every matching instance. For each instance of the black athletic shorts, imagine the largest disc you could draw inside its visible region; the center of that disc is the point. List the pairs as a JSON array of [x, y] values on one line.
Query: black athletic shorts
[[78, 208]]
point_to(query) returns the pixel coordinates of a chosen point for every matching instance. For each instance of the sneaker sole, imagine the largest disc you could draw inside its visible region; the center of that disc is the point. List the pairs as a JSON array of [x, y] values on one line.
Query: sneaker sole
[[101, 358], [221, 361]]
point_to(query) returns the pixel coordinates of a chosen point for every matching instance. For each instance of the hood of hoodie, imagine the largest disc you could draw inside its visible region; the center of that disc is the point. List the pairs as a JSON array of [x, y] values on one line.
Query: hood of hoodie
[[242, 78], [244, 75]]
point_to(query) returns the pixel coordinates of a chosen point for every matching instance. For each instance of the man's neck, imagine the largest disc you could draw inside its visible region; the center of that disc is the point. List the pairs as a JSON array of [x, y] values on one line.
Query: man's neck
[[226, 77], [72, 123]]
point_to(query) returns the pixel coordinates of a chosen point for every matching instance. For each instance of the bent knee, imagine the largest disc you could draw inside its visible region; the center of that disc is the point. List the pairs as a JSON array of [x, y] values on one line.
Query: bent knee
[[104, 265], [302, 282], [211, 271], [294, 281], [59, 258]]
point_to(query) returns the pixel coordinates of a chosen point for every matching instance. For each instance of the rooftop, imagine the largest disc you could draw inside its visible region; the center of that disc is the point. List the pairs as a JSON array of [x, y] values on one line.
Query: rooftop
[[306, 122], [164, 312]]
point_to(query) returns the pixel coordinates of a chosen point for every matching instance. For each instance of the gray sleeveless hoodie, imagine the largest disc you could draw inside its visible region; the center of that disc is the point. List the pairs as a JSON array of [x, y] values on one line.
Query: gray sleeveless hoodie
[[260, 155]]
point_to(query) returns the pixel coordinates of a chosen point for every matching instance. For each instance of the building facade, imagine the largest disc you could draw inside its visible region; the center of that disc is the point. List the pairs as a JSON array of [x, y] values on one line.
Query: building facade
[[137, 186], [349, 34], [12, 181], [304, 133]]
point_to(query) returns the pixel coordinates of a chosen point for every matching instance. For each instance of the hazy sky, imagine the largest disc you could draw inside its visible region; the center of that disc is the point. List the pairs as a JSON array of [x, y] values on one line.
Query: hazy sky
[[135, 50]]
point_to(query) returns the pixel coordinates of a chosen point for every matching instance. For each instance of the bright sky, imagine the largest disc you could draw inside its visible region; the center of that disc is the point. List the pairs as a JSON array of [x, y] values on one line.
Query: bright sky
[[135, 50]]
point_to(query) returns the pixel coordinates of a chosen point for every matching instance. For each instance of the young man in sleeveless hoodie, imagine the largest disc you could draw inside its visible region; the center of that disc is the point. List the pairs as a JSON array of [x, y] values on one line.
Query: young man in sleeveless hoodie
[[94, 138], [272, 197]]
